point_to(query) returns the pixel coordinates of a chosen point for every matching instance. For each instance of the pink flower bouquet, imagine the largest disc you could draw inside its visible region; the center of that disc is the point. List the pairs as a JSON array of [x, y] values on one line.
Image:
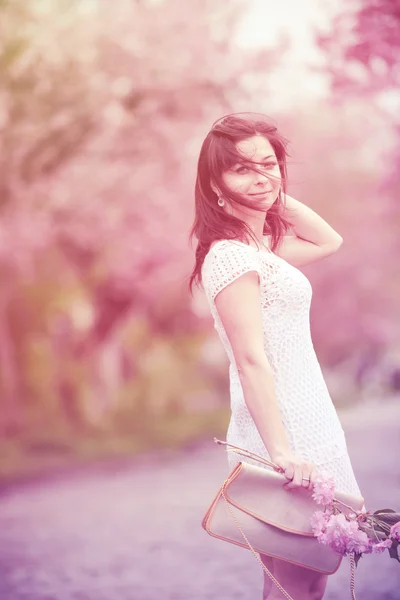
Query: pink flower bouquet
[[354, 533]]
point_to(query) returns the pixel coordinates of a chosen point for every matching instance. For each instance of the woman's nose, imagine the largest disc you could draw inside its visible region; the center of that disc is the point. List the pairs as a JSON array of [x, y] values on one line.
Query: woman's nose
[[272, 179], [260, 177]]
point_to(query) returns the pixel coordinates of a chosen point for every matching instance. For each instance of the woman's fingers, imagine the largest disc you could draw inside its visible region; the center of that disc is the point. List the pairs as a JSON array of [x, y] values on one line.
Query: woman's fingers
[[300, 476], [289, 472], [296, 480], [306, 481], [298, 472], [313, 476]]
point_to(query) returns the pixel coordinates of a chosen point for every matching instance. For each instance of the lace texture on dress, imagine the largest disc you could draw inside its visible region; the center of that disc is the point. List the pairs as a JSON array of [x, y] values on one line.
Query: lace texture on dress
[[308, 413]]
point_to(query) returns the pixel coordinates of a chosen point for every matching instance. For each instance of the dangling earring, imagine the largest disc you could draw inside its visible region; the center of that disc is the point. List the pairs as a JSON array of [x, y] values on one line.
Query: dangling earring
[[221, 201]]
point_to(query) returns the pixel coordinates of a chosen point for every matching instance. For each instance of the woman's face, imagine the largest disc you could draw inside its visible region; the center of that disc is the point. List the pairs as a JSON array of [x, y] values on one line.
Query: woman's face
[[263, 185]]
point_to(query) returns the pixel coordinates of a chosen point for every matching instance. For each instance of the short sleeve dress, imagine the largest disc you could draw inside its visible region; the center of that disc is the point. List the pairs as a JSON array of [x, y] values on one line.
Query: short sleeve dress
[[312, 424]]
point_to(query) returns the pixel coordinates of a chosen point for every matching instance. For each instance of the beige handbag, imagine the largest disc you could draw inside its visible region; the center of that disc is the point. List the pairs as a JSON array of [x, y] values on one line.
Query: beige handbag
[[253, 510]]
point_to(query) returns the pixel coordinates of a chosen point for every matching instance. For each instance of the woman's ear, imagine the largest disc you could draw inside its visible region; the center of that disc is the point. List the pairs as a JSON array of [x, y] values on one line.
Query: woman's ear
[[215, 189]]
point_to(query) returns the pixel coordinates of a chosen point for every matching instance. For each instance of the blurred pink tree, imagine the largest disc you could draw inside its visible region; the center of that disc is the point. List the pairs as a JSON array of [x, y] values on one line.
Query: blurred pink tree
[[363, 60], [98, 106], [364, 47]]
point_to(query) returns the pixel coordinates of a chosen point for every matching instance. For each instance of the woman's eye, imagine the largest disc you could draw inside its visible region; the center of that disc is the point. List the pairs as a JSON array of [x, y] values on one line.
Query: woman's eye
[[242, 169]]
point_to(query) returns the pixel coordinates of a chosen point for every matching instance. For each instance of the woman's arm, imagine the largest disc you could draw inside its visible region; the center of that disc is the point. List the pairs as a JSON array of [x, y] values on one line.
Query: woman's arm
[[313, 237], [233, 282], [239, 308], [257, 380]]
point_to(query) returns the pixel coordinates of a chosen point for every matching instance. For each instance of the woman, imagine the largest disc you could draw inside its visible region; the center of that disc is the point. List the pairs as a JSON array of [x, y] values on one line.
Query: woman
[[260, 302]]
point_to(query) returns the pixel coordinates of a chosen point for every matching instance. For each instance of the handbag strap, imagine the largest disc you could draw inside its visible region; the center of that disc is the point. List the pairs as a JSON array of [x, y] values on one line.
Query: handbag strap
[[259, 458], [352, 576], [256, 556]]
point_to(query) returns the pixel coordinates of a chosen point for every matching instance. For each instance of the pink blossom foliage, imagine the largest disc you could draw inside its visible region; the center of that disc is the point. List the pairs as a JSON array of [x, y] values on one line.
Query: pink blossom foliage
[[395, 531], [324, 488], [319, 521], [342, 535], [380, 547]]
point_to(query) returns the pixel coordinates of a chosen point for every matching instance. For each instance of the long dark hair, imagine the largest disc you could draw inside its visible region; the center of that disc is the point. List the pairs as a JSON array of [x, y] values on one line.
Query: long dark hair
[[218, 153]]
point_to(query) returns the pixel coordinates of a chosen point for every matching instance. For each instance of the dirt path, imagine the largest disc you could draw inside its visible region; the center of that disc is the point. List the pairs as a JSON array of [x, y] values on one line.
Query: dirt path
[[133, 532]]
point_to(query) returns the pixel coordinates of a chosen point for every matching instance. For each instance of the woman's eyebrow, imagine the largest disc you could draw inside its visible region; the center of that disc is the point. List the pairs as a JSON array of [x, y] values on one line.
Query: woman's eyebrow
[[267, 157], [249, 162]]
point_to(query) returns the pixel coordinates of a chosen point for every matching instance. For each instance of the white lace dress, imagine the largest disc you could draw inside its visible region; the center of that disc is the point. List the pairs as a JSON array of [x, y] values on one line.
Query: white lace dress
[[308, 414]]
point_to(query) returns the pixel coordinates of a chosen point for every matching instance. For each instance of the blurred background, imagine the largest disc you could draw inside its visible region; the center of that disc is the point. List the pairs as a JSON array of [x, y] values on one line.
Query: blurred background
[[103, 109]]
